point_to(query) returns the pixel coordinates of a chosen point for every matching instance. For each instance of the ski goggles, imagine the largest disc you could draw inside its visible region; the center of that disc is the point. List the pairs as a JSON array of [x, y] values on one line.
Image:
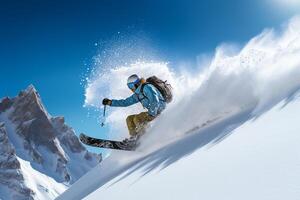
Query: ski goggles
[[133, 84]]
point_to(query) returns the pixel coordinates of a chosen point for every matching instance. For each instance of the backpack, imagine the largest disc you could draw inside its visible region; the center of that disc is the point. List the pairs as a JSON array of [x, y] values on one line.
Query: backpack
[[162, 86]]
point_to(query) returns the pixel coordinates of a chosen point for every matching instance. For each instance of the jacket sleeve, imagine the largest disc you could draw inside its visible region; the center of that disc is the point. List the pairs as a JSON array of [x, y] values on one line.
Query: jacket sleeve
[[125, 102], [151, 93]]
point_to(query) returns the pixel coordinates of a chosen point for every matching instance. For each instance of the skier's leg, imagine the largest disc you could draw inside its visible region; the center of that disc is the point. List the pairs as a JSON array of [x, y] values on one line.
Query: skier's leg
[[131, 125], [141, 120]]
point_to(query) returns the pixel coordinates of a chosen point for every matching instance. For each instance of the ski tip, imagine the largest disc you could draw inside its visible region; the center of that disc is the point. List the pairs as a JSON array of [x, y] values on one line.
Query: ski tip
[[82, 138], [81, 134]]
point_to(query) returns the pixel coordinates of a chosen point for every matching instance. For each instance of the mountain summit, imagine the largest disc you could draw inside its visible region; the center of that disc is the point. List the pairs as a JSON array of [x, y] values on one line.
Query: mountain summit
[[40, 155]]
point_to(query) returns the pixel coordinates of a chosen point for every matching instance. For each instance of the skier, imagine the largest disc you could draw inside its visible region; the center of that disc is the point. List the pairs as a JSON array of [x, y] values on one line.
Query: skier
[[152, 93]]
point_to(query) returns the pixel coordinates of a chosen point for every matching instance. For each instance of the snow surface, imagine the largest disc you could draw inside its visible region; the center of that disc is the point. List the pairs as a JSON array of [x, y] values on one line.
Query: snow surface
[[44, 186], [260, 160]]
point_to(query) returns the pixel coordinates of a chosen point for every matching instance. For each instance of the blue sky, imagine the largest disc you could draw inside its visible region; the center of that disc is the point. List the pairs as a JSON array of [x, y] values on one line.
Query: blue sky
[[50, 43]]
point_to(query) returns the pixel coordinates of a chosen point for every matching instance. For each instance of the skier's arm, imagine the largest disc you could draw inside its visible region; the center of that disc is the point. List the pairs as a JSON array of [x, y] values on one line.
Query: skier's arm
[[152, 95], [125, 102]]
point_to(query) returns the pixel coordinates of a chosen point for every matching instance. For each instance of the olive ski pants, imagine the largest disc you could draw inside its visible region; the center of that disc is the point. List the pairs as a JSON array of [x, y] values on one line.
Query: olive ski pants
[[137, 124]]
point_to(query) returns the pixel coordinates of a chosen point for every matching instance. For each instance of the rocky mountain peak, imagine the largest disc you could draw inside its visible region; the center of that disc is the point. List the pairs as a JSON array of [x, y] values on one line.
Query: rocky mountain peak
[[47, 142], [33, 123]]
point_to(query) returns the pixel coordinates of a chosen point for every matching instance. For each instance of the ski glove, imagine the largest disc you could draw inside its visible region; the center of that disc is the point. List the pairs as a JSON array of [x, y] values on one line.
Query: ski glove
[[106, 101]]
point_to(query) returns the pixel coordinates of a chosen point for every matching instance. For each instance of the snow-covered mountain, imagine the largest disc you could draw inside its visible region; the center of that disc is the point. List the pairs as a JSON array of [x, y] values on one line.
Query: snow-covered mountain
[[40, 155]]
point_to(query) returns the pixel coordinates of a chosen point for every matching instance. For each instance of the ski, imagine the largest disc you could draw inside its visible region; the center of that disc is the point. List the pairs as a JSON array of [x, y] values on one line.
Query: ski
[[108, 144]]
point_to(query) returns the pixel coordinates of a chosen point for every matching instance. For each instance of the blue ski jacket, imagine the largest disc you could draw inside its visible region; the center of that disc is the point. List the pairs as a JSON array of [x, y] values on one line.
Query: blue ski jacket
[[150, 98]]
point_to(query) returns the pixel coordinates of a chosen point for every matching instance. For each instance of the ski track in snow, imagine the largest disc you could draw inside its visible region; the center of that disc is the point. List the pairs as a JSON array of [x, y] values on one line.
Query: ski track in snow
[[237, 87]]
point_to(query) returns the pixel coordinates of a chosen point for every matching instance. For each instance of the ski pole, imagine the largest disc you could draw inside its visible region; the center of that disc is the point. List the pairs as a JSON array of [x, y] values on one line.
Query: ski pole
[[102, 124]]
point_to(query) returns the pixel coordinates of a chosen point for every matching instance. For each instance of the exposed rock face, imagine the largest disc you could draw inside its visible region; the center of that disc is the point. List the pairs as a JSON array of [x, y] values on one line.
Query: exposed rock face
[[5, 104], [45, 141], [68, 138], [11, 178]]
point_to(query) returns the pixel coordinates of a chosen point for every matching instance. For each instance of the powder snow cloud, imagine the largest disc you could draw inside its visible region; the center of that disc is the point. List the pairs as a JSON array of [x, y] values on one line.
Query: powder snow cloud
[[257, 76]]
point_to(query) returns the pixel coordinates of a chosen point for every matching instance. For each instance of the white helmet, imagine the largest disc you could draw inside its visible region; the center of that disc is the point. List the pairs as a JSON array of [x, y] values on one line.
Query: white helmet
[[133, 80]]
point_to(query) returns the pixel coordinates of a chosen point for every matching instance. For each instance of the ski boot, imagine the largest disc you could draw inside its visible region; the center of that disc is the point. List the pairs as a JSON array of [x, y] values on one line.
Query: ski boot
[[131, 141]]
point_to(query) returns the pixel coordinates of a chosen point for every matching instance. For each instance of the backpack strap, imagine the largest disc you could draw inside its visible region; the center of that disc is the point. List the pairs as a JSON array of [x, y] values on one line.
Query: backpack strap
[[142, 92]]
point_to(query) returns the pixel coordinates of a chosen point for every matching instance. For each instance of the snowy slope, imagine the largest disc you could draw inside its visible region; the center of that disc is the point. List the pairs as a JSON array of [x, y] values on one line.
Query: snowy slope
[[260, 160], [45, 187]]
